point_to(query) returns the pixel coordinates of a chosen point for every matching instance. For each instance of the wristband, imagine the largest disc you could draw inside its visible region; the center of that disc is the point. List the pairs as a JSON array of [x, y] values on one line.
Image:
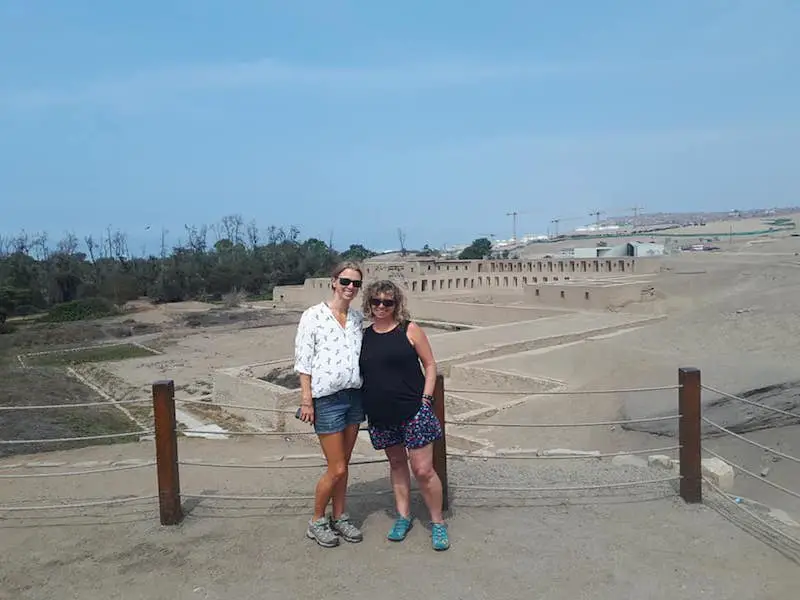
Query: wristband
[[427, 397]]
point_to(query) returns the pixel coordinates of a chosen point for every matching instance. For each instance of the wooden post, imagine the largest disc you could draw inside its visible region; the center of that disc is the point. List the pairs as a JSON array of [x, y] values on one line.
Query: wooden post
[[169, 487], [440, 446], [691, 485]]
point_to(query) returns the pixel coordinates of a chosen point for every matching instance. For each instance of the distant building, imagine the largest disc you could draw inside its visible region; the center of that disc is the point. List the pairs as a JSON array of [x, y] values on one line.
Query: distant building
[[637, 249]]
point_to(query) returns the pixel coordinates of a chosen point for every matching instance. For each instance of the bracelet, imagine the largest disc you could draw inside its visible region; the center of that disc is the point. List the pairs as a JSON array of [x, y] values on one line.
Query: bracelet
[[307, 404], [427, 397]]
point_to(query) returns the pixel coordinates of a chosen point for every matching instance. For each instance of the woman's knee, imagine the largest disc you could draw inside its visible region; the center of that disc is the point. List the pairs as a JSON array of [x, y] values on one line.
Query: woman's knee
[[423, 472], [337, 471]]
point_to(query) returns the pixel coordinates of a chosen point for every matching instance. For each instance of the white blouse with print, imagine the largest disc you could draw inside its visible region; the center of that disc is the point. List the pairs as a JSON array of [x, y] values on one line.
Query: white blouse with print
[[327, 351]]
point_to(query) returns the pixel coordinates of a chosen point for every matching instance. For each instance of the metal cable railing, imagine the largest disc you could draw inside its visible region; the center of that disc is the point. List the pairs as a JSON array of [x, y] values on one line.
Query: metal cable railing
[[565, 392], [737, 468], [727, 431], [565, 425], [751, 402]]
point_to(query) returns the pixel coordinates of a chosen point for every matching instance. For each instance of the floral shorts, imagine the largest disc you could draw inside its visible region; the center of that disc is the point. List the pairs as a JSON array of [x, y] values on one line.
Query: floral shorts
[[417, 432]]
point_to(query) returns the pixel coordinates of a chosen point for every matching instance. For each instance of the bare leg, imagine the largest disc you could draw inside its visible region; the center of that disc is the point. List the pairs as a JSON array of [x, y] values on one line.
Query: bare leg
[[401, 478], [334, 449], [340, 489], [429, 483]]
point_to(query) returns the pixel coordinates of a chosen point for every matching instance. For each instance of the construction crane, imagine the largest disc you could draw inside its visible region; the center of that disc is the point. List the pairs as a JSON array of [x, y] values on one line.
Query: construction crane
[[514, 221], [596, 214], [636, 210], [557, 220]]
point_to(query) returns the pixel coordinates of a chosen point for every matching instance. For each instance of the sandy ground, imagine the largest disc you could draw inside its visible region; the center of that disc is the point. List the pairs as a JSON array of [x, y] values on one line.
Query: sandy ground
[[505, 545]]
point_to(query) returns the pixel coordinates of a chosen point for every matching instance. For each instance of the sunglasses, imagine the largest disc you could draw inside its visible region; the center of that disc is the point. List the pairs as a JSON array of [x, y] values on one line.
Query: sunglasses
[[378, 302], [346, 281]]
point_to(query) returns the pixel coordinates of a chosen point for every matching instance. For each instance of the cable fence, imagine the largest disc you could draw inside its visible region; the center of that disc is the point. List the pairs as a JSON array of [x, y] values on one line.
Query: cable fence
[[773, 529], [166, 433], [686, 473], [169, 464]]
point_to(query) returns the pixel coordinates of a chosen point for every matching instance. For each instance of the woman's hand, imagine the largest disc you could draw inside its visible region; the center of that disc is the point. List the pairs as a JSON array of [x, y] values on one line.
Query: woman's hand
[[307, 412]]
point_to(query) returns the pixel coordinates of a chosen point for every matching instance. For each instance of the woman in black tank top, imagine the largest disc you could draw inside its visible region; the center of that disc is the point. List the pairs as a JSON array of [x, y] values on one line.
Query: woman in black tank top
[[399, 374]]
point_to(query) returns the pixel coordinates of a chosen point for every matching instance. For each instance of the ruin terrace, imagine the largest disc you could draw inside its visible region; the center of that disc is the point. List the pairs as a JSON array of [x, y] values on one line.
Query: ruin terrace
[[431, 276]]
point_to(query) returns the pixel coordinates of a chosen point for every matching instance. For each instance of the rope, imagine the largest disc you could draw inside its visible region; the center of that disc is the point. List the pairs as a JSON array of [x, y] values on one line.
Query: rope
[[765, 523], [753, 475], [564, 456], [595, 424], [105, 436], [494, 488], [240, 406], [751, 402], [567, 393], [752, 443], [234, 433], [271, 466], [275, 433], [71, 473], [79, 405], [78, 504], [280, 498]]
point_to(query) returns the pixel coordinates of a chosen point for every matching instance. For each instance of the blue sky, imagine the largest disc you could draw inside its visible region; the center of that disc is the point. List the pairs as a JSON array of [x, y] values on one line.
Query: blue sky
[[358, 117]]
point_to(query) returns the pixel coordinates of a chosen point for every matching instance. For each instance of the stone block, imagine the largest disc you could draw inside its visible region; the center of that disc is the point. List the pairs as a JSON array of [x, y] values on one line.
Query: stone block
[[719, 472], [661, 461]]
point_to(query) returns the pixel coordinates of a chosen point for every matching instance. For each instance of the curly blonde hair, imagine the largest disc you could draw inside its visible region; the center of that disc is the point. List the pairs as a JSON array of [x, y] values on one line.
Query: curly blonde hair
[[384, 286]]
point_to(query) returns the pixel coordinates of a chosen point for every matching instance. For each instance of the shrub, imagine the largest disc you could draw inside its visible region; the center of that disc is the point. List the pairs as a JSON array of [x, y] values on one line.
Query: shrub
[[81, 310]]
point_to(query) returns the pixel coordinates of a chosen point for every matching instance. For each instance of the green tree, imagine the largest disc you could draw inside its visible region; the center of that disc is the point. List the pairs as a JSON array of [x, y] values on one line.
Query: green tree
[[478, 249], [357, 253], [33, 277]]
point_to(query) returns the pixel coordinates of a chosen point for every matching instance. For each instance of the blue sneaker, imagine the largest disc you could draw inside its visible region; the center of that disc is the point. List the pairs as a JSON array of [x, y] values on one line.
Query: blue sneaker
[[400, 529], [439, 538]]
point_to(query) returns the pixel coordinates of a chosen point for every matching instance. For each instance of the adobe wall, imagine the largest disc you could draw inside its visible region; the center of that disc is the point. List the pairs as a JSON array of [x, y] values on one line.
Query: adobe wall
[[241, 386], [430, 277], [595, 295], [314, 290]]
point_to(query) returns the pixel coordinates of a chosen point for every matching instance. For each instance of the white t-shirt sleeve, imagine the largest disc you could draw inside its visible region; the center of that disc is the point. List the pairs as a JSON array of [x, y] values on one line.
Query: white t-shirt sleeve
[[304, 344]]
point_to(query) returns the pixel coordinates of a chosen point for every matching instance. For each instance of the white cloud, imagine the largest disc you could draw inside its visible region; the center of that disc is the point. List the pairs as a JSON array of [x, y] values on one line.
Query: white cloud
[[149, 87], [264, 73]]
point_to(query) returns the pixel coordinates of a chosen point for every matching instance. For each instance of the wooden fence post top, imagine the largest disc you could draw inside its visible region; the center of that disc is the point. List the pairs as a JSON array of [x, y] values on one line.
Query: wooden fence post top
[[164, 383]]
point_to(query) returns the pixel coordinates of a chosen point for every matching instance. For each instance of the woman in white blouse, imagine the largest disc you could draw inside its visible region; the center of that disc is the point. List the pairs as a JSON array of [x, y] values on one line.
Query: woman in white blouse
[[327, 351]]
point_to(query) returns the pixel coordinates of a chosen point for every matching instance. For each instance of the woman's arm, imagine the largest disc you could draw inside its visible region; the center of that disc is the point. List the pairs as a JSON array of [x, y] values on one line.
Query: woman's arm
[[421, 344], [304, 347]]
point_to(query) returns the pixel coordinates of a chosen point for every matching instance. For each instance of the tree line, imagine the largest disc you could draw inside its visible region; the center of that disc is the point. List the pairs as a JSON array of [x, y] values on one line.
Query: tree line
[[229, 256]]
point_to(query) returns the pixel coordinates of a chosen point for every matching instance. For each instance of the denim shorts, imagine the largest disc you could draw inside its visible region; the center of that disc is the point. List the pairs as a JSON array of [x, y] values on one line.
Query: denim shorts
[[335, 412]]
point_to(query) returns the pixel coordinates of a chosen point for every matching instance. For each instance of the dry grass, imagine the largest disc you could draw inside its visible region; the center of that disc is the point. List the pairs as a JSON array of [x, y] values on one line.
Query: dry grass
[[50, 385], [87, 355]]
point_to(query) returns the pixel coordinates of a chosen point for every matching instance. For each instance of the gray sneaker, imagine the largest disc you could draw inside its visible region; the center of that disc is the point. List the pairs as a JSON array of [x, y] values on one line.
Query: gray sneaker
[[346, 529], [320, 531]]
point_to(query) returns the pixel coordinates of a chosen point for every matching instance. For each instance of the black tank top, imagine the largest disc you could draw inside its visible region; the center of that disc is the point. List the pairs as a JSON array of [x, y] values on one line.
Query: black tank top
[[393, 377]]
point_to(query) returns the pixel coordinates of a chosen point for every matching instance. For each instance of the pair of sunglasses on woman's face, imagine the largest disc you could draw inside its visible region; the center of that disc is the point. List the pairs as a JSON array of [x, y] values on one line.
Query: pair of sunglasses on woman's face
[[381, 302], [345, 281]]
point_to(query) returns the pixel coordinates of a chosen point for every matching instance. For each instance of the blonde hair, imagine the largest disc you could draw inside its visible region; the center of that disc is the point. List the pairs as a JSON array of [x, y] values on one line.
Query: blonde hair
[[343, 266], [384, 286]]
